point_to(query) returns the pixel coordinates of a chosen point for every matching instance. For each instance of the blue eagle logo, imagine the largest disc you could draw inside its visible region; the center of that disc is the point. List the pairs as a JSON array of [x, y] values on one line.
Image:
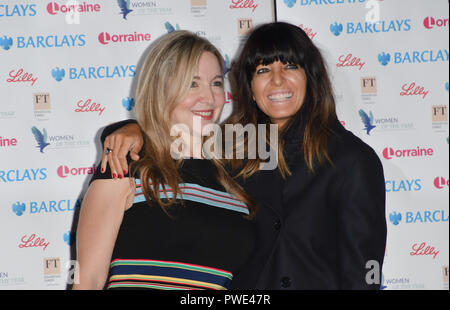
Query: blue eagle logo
[[367, 121], [124, 7], [41, 138]]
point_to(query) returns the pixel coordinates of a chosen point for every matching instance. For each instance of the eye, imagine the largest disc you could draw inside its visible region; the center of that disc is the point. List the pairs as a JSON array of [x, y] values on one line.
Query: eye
[[291, 66], [217, 83], [194, 84], [262, 70]]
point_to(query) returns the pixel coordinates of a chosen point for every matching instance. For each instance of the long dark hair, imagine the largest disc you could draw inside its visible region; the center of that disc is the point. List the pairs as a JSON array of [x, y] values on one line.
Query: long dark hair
[[287, 43]]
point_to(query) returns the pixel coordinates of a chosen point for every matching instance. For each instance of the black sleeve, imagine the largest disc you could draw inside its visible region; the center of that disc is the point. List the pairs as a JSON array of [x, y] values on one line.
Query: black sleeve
[[362, 223], [113, 127]]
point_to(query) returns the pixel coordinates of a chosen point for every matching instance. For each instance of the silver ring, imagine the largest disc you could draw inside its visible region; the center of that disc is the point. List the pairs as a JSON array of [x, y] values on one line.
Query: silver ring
[[108, 150]]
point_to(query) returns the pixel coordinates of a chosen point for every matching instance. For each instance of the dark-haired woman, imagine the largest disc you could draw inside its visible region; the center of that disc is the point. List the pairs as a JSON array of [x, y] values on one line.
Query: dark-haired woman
[[321, 219]]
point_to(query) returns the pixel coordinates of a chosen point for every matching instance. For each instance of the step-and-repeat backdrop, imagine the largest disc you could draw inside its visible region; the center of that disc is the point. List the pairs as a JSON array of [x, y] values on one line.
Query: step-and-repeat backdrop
[[67, 69]]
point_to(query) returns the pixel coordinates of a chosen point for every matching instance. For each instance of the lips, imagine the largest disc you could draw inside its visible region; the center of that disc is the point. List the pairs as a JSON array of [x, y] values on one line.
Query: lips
[[204, 114], [280, 96]]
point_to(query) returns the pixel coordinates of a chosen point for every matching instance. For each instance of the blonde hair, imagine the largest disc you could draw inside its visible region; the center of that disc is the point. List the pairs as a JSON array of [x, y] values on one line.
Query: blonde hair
[[163, 82]]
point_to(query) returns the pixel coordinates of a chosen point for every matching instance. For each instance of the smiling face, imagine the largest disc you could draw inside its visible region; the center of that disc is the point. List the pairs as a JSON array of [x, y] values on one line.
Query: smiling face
[[205, 98], [279, 90]]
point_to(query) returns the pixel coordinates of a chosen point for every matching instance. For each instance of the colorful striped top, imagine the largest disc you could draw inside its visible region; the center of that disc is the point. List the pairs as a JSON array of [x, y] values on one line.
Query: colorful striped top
[[198, 244]]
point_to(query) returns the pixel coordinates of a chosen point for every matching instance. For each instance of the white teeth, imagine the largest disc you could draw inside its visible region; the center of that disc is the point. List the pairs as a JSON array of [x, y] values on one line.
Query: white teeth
[[203, 113], [281, 96]]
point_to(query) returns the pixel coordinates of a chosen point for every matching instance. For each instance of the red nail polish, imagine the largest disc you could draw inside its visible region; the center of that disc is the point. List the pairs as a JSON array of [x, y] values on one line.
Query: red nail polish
[[120, 176], [124, 172], [103, 170], [114, 175]]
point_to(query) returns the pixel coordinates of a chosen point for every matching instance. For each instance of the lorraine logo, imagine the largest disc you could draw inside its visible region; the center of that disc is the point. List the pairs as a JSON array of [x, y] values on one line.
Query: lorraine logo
[[124, 8], [430, 22], [6, 42], [170, 28], [336, 28], [41, 138], [18, 208], [128, 103], [395, 218], [441, 182], [58, 74], [367, 121], [384, 58], [290, 3]]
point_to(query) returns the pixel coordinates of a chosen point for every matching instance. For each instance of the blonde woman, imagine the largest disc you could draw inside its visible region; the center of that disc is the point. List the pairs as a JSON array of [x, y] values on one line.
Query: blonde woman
[[170, 223]]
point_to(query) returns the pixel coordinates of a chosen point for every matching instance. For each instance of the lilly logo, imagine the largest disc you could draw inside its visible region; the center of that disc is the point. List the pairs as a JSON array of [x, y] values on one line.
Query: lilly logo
[[18, 208], [6, 42], [336, 28], [367, 121], [384, 58], [290, 3], [124, 8], [58, 74], [128, 103], [440, 182], [41, 138], [395, 218]]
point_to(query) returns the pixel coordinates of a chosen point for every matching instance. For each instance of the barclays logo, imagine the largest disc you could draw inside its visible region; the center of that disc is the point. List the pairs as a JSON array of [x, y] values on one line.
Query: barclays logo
[[384, 58], [414, 57], [336, 29], [6, 42], [434, 216], [128, 103], [48, 41], [371, 28], [41, 207], [21, 175], [323, 2], [96, 73], [290, 3], [403, 185], [14, 10], [58, 74]]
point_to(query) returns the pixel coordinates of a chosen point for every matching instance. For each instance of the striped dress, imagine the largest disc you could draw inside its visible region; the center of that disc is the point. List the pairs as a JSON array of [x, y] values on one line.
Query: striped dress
[[198, 244]]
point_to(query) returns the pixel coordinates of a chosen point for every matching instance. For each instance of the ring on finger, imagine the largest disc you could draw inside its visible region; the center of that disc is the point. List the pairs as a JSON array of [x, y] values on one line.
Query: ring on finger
[[108, 150]]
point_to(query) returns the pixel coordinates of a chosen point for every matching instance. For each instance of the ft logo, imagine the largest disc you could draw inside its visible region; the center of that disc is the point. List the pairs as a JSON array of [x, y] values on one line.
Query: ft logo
[[245, 26], [52, 271]]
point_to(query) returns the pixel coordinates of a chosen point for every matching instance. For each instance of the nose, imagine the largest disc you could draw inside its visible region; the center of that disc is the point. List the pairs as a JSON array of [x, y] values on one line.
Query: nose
[[277, 77], [207, 95]]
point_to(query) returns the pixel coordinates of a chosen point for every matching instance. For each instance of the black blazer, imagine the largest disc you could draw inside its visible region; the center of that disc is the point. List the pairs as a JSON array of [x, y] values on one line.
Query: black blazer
[[316, 231]]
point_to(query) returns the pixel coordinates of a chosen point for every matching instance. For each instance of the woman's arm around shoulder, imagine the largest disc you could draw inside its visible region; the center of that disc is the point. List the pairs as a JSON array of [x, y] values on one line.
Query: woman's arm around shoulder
[[100, 218]]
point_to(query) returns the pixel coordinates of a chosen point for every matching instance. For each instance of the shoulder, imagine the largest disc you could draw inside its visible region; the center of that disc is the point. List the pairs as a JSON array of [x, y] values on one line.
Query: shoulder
[[346, 147]]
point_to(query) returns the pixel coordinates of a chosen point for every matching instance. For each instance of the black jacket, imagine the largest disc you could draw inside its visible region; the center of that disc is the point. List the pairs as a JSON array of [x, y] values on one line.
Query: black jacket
[[317, 231]]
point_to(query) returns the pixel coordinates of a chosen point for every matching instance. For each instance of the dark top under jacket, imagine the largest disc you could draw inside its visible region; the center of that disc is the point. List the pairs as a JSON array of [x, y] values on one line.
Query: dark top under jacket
[[198, 244], [316, 231]]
